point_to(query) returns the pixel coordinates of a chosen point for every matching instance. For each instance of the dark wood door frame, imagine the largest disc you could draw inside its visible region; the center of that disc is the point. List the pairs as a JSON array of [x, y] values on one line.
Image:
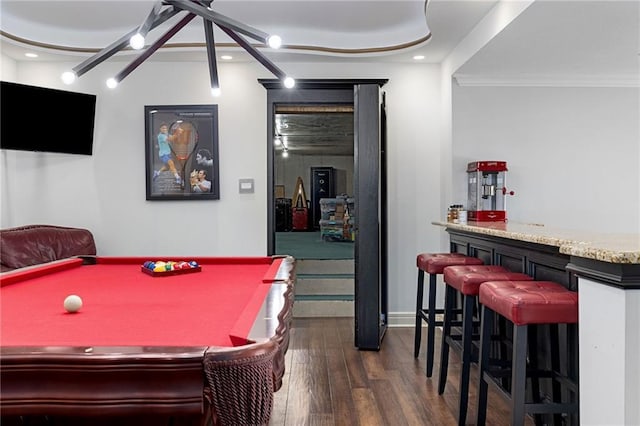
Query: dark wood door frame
[[371, 308], [370, 250]]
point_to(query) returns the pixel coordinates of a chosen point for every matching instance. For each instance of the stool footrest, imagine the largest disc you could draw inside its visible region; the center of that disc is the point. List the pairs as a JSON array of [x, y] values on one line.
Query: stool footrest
[[550, 408], [497, 371], [424, 315], [532, 407], [456, 339]]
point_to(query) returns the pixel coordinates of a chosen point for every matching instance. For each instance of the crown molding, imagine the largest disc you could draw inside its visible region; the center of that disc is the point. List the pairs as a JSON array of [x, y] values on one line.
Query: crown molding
[[549, 80], [312, 49]]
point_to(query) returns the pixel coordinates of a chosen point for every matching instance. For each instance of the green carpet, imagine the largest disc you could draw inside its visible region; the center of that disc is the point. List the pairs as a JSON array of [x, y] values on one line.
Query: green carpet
[[309, 245]]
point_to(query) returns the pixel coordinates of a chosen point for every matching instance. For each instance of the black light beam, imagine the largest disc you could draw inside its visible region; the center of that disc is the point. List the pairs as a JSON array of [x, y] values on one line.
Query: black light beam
[[193, 8], [119, 44], [211, 54], [146, 25], [254, 52], [155, 46], [220, 19]]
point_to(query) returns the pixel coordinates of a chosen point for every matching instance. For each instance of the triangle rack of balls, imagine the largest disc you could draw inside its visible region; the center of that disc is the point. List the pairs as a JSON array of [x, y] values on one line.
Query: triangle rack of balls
[[170, 267]]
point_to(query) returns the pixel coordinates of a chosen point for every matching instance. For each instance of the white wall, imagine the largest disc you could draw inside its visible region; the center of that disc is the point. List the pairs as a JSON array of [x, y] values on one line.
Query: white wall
[[8, 68], [573, 153], [106, 192], [7, 73]]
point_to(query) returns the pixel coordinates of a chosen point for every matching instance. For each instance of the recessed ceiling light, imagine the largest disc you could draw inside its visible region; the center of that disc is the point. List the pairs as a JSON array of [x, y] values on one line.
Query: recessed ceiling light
[[31, 55], [418, 57], [226, 57]]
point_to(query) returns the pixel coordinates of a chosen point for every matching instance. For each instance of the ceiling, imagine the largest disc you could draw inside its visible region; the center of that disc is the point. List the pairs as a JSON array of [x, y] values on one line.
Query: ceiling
[[578, 39], [324, 30], [551, 40]]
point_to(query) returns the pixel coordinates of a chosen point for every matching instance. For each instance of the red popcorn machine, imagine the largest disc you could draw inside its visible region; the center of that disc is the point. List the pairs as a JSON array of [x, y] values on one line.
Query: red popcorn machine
[[487, 191]]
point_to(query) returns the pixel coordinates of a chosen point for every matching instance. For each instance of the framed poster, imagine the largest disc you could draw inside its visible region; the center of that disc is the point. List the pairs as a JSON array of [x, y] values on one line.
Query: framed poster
[[181, 146]]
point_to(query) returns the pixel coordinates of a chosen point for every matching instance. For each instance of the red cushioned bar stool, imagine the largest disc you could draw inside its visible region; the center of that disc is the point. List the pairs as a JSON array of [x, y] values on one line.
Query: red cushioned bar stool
[[524, 304], [466, 281], [433, 264]]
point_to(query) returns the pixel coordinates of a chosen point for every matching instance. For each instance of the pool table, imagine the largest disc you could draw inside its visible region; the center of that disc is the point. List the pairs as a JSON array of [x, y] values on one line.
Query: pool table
[[203, 347]]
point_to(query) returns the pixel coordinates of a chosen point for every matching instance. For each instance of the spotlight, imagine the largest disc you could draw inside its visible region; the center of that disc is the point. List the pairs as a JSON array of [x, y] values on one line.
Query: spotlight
[[274, 41], [215, 91], [289, 82], [68, 77], [136, 41], [112, 83]]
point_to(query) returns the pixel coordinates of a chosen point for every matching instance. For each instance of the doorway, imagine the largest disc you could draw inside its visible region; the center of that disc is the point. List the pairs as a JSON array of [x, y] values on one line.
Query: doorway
[[369, 187], [314, 147]]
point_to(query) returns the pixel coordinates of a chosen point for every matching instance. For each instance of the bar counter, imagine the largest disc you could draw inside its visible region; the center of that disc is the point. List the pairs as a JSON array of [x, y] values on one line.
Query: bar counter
[[612, 248], [605, 270]]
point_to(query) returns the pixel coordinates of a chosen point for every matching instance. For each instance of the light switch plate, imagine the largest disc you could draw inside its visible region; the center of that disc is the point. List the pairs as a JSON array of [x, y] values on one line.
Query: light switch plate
[[245, 186]]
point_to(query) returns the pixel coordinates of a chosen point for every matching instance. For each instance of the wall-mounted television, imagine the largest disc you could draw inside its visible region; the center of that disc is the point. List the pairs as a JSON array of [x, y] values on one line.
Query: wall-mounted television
[[48, 120]]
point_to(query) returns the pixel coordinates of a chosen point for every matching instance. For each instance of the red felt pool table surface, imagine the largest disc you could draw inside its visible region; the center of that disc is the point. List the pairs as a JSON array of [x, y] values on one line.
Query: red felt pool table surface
[[142, 344], [123, 306]]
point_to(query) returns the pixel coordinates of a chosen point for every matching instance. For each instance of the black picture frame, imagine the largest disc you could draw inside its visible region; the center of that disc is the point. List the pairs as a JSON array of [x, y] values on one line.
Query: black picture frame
[[182, 159]]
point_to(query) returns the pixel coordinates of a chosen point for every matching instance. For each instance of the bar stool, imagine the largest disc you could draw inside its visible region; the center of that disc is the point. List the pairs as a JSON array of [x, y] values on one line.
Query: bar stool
[[466, 281], [433, 264], [525, 304]]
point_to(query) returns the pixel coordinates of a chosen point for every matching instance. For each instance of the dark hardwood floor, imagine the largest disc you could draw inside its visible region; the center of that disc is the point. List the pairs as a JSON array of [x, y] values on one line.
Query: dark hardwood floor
[[328, 381]]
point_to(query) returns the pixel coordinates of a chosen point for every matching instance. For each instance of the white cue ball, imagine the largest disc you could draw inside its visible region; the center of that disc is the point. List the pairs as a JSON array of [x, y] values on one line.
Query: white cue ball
[[72, 303]]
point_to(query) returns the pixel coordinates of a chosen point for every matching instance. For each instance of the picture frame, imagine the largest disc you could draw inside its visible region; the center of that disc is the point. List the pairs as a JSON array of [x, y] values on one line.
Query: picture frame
[[181, 150]]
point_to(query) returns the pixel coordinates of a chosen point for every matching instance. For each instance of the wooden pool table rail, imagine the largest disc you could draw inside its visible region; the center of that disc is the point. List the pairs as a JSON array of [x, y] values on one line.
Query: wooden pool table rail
[[203, 381]]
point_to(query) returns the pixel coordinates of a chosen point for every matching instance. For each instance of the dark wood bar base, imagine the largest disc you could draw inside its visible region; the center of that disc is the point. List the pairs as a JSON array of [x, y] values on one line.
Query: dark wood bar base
[[605, 269]]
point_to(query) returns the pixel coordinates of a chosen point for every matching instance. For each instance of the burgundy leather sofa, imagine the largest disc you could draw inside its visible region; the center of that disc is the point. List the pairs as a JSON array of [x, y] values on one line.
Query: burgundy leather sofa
[[34, 244]]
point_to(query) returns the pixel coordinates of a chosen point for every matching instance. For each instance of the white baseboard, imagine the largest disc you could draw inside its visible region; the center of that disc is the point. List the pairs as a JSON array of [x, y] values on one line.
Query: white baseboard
[[401, 319], [406, 319]]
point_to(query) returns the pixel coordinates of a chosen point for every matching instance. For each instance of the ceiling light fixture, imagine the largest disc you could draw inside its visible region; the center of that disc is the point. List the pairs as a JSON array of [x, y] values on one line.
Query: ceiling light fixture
[[136, 39]]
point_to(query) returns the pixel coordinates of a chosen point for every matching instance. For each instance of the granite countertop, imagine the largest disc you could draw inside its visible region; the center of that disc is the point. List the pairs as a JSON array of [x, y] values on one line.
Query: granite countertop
[[612, 248]]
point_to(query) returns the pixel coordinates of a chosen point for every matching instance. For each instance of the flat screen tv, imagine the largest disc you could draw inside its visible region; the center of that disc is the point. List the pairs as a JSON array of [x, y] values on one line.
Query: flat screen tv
[[47, 120]]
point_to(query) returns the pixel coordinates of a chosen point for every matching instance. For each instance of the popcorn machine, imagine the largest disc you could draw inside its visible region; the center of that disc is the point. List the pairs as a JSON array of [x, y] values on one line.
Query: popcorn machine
[[487, 191]]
